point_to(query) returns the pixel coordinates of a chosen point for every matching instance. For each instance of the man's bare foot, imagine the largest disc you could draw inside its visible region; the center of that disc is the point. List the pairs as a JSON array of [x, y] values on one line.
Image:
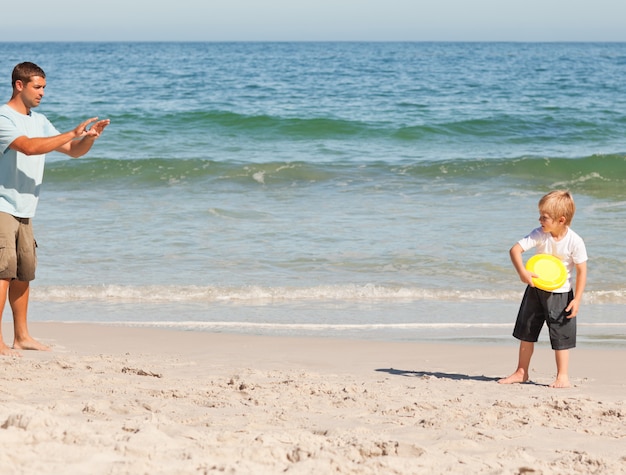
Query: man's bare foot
[[561, 382], [6, 351], [520, 376], [30, 344]]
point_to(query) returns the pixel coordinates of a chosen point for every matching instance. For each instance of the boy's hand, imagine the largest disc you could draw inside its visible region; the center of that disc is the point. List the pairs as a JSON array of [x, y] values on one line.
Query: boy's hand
[[527, 277], [572, 308]]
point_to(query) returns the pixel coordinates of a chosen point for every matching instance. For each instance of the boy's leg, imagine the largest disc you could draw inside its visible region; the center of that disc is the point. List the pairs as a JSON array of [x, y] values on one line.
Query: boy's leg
[[530, 320], [520, 375], [562, 369], [562, 336]]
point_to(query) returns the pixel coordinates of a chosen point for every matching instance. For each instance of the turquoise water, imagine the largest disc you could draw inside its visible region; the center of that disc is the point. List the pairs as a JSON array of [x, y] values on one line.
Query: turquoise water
[[362, 189]]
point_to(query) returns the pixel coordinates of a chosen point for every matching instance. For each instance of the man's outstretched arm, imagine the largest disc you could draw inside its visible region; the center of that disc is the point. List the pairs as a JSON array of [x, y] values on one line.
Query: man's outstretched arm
[[65, 142]]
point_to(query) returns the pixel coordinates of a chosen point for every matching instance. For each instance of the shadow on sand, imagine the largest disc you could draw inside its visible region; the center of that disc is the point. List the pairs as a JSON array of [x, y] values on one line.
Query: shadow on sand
[[439, 374], [435, 374]]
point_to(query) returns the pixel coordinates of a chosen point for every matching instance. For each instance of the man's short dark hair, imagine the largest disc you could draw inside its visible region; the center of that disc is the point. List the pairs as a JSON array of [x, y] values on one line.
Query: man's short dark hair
[[25, 72]]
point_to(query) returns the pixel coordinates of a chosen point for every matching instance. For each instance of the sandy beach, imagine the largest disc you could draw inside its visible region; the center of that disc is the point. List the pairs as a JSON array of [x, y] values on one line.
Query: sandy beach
[[118, 400]]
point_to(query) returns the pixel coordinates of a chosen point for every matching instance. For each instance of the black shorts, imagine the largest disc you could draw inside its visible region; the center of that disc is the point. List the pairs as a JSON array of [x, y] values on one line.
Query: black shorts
[[539, 306]]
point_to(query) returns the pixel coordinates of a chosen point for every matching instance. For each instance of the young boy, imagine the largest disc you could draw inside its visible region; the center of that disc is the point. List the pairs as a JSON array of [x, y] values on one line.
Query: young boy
[[560, 307]]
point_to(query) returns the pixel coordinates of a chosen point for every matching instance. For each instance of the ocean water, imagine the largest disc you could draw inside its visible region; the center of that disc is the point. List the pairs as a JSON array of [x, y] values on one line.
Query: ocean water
[[367, 190]]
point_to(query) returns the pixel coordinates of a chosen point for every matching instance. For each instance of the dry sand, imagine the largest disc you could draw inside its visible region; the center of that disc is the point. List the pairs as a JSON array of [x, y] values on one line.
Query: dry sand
[[116, 400]]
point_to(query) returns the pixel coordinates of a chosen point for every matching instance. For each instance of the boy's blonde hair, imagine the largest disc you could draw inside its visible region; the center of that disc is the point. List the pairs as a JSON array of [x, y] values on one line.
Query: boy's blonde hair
[[558, 203]]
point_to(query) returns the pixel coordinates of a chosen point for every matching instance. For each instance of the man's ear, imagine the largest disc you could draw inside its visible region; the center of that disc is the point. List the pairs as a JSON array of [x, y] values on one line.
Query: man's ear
[[19, 85]]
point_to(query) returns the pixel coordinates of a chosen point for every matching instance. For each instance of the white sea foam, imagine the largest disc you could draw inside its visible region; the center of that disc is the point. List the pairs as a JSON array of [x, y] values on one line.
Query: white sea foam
[[258, 294]]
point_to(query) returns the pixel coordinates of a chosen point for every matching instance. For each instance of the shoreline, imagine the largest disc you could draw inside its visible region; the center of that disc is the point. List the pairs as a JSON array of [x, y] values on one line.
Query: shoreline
[[111, 399]]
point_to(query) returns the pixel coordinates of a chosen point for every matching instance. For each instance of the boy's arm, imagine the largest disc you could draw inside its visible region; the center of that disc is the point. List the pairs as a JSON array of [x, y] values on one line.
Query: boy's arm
[[581, 282], [516, 258]]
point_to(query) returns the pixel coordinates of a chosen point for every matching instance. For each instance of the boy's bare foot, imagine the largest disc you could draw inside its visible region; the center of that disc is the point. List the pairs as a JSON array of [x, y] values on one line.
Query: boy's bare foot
[[6, 351], [30, 344], [561, 382], [520, 376]]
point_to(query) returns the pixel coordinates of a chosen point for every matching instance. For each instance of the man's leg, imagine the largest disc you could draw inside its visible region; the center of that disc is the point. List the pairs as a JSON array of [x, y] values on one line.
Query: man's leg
[[4, 349], [19, 292]]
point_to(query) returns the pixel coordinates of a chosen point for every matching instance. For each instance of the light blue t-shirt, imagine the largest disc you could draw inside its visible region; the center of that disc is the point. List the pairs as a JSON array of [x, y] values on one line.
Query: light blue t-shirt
[[21, 175]]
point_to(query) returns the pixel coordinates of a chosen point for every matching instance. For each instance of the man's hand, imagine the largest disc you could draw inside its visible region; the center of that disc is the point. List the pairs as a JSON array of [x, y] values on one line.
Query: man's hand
[[94, 131]]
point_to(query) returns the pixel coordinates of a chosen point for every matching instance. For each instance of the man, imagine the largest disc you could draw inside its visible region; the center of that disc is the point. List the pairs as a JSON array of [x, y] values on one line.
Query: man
[[25, 137]]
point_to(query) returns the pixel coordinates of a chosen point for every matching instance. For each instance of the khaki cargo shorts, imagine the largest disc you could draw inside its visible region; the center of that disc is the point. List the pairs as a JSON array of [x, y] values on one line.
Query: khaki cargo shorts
[[18, 257]]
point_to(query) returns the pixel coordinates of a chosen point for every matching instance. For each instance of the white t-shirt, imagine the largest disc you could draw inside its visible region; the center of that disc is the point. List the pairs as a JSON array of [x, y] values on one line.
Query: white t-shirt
[[21, 175], [570, 250]]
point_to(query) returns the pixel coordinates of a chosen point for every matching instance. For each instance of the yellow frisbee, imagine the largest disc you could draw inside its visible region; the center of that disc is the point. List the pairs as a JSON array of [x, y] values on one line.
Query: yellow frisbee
[[551, 271]]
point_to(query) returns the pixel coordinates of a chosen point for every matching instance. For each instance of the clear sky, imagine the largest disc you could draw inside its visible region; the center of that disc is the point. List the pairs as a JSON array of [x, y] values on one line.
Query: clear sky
[[315, 20]]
